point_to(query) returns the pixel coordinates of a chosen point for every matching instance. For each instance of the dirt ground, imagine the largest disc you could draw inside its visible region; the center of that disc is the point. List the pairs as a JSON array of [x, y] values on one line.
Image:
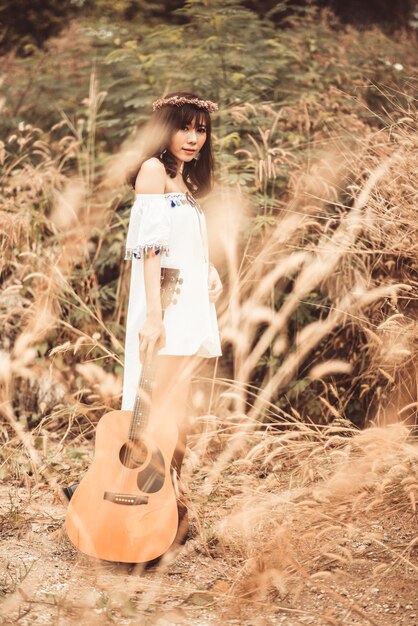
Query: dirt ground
[[43, 580]]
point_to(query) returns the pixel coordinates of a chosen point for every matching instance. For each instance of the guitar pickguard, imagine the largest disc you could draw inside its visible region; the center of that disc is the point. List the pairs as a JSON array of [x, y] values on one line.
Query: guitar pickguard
[[151, 478], [145, 455]]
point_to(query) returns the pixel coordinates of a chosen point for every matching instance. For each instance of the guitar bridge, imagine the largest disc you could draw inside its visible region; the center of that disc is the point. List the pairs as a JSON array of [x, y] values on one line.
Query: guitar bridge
[[125, 498]]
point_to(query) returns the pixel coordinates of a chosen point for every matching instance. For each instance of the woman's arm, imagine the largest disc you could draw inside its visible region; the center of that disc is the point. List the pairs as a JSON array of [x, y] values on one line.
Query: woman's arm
[[151, 179]]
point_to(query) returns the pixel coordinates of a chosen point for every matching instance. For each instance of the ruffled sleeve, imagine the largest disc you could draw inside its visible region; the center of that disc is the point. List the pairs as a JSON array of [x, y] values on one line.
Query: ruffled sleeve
[[149, 226]]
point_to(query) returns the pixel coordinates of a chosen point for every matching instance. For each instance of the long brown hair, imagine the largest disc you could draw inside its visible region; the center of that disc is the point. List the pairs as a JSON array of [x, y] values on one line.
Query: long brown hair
[[197, 175]]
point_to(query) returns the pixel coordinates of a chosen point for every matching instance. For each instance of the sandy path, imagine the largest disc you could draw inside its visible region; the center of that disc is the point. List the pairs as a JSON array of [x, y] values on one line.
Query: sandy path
[[44, 580]]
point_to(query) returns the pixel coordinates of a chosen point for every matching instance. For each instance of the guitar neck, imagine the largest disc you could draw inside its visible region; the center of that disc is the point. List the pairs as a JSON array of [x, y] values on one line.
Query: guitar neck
[[142, 404]]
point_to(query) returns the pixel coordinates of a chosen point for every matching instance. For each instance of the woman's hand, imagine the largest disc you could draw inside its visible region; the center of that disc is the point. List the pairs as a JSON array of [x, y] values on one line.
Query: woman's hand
[[151, 337], [214, 283]]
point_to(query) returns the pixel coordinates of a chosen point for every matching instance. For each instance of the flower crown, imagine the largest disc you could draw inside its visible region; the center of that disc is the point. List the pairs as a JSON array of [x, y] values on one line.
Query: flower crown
[[178, 101]]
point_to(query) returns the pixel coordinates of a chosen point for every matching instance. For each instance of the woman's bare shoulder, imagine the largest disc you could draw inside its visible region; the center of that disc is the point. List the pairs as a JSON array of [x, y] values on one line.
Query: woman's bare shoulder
[[151, 177], [153, 164]]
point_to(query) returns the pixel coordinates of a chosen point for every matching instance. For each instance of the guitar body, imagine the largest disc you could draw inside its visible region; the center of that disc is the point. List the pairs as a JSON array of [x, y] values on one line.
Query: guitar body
[[124, 508]]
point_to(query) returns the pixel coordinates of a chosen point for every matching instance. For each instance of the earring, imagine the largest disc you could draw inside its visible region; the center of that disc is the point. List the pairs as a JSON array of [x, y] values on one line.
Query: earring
[[163, 153]]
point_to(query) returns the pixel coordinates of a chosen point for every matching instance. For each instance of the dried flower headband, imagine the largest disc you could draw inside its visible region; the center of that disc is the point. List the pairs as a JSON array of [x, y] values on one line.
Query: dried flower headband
[[178, 101]]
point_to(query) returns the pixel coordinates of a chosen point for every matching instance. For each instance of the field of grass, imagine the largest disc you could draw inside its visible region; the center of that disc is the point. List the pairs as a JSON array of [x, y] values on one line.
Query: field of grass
[[302, 466]]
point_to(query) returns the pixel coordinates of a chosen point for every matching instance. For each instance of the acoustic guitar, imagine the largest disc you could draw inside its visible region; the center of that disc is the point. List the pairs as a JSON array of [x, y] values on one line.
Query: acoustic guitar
[[125, 507]]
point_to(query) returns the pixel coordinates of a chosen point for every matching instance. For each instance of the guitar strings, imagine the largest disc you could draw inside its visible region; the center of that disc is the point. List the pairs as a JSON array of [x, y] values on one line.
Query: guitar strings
[[141, 406]]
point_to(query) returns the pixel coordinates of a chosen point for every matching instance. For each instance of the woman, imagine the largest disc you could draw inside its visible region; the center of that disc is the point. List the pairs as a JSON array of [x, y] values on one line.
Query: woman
[[167, 229]]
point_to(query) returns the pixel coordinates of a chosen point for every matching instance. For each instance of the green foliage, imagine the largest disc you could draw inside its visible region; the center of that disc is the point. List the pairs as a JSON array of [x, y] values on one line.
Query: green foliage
[[225, 51]]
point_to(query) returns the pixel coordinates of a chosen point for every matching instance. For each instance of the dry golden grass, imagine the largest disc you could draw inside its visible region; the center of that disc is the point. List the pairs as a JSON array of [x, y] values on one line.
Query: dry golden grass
[[280, 501]]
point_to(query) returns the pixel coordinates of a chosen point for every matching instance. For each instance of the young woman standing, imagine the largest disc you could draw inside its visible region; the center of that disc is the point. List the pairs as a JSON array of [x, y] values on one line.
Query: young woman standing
[[129, 506], [167, 228]]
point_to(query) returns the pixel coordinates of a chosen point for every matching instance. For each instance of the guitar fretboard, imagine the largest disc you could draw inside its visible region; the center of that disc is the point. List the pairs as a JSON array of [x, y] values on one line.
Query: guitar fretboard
[[142, 405]]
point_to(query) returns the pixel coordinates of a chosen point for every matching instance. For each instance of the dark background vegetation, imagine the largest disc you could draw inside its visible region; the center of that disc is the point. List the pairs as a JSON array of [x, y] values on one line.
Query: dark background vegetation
[[32, 22]]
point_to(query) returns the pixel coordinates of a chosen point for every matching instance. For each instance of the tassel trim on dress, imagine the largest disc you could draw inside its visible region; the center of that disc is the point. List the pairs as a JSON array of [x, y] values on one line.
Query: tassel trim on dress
[[149, 250]]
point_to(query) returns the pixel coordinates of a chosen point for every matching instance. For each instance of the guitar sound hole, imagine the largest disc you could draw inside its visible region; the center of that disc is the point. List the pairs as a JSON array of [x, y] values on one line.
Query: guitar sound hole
[[133, 454]]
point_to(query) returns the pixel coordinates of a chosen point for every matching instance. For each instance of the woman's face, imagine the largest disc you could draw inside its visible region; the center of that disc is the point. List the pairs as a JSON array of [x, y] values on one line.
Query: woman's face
[[187, 141]]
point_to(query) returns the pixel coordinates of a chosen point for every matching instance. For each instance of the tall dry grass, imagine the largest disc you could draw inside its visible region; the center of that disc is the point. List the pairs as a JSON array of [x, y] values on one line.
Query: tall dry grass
[[299, 501], [296, 493]]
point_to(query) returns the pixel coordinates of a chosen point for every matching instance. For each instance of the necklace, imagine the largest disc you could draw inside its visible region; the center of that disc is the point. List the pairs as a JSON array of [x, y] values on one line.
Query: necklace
[[193, 202]]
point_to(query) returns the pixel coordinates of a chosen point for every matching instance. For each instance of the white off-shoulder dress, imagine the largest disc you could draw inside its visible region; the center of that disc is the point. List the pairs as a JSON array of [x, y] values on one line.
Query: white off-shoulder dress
[[173, 226]]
